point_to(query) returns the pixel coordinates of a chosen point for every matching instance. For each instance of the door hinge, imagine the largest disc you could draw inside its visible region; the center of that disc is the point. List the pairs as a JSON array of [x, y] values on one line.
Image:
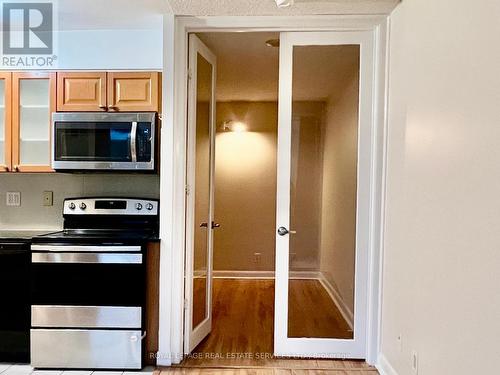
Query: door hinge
[[186, 303], [188, 190], [190, 74]]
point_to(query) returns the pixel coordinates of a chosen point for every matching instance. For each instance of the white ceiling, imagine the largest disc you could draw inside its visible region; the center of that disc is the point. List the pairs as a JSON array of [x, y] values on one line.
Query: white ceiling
[[268, 7], [247, 69]]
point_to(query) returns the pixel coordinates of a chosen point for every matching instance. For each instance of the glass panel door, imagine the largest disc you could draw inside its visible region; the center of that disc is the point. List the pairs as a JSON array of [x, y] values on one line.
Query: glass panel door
[[33, 104], [322, 206], [5, 121], [199, 222], [34, 114]]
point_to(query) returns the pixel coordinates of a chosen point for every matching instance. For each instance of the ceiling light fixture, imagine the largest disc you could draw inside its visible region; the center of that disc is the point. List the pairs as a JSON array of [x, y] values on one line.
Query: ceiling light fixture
[[283, 3]]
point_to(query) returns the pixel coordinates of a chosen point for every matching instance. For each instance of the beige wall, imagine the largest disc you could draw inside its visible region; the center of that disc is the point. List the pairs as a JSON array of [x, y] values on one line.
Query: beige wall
[[33, 215], [338, 219], [202, 187], [441, 278], [245, 190], [305, 187]]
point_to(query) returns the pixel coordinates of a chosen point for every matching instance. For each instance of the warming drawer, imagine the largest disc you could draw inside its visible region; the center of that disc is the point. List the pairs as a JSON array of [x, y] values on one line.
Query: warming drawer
[[92, 349]]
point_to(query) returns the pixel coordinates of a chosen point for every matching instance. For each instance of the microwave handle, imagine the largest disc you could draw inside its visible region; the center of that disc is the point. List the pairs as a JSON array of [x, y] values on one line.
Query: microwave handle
[[133, 141]]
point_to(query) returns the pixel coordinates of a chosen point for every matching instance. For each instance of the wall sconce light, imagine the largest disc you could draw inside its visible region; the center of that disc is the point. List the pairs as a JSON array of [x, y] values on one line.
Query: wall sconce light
[[283, 3], [234, 126]]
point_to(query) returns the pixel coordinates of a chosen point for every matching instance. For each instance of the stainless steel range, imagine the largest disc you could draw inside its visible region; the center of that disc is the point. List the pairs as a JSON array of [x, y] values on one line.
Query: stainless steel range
[[88, 285]]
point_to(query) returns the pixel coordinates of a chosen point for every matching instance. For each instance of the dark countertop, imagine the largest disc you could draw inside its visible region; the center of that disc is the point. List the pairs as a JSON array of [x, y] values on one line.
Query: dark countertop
[[27, 235], [21, 235]]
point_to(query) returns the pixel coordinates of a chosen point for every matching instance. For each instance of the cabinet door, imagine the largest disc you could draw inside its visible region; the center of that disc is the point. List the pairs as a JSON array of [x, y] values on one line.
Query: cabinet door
[[33, 101], [5, 122], [81, 91], [133, 91]]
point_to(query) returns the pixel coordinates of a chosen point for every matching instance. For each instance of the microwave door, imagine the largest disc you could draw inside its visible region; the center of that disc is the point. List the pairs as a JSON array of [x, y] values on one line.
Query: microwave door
[[98, 141], [90, 145]]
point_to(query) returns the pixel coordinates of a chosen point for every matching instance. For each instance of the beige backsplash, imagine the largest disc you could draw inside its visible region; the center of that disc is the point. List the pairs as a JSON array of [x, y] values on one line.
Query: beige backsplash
[[33, 215]]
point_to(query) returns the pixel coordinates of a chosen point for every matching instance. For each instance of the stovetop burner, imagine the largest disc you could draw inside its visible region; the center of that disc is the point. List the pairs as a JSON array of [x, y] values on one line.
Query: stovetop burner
[[106, 220]]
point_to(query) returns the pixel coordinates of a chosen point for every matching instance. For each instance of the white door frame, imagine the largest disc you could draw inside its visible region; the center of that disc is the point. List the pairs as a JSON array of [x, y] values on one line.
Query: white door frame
[[173, 160]]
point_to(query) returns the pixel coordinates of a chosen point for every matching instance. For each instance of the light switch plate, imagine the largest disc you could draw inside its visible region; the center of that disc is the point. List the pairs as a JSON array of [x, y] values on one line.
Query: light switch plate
[[13, 198], [48, 198]]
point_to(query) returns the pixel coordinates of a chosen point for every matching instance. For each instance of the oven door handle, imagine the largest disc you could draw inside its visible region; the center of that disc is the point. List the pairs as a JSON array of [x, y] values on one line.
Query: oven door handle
[[86, 258], [86, 248], [133, 142]]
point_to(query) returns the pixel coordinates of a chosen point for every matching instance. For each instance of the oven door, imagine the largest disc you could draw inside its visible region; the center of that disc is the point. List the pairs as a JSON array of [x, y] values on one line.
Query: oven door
[[87, 279], [96, 141]]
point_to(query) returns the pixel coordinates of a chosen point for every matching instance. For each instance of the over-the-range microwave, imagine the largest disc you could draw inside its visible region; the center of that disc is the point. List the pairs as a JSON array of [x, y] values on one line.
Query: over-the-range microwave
[[85, 141]]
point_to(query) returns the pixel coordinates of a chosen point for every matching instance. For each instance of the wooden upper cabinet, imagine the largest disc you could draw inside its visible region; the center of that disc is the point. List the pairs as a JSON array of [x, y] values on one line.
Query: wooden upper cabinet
[[5, 122], [81, 91], [33, 101], [133, 91]]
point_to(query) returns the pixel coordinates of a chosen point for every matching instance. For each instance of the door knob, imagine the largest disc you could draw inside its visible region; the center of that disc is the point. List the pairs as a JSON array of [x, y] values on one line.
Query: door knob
[[215, 225], [203, 225], [283, 231]]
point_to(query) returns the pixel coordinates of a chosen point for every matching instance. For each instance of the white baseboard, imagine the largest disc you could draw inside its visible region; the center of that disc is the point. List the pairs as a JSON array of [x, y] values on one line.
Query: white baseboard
[[346, 312], [263, 274], [384, 367], [243, 274]]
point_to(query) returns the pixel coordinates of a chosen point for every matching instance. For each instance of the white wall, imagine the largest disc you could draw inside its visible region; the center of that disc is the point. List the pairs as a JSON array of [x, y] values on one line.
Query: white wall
[[441, 283], [106, 49], [110, 49]]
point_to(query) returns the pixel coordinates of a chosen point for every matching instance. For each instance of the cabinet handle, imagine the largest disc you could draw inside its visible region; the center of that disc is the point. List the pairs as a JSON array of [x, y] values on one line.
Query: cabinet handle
[[16, 168], [113, 107], [103, 107], [6, 168]]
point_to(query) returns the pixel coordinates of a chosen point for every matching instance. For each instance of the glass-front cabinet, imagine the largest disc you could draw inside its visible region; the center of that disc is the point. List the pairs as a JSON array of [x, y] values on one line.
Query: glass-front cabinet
[[33, 101], [5, 122]]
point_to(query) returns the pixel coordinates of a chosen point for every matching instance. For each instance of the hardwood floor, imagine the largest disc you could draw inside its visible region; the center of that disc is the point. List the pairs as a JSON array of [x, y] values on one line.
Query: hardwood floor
[[312, 313], [241, 341], [199, 300], [263, 371], [242, 318]]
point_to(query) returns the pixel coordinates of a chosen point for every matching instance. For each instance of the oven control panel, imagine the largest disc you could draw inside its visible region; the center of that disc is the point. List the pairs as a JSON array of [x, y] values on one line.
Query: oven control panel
[[110, 206]]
